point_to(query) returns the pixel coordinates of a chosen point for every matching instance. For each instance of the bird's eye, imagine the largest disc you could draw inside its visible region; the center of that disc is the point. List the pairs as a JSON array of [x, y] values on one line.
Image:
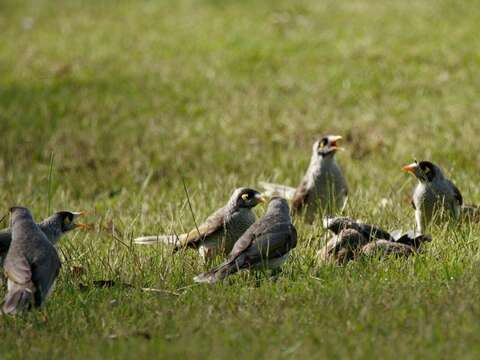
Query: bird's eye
[[245, 196], [427, 170], [67, 221]]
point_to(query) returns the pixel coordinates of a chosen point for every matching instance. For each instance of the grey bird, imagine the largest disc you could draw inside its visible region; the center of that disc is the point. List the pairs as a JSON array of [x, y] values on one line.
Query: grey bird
[[435, 197], [266, 244], [220, 231], [31, 266], [323, 188], [54, 227]]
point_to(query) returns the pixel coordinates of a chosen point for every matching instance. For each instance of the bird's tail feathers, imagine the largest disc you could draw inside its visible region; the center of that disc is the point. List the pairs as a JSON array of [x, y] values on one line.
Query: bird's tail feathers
[[276, 189], [174, 240], [19, 298]]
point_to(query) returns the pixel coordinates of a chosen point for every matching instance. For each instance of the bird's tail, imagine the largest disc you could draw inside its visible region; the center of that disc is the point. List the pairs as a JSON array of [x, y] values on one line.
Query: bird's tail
[[276, 189], [19, 298], [174, 240], [216, 274]]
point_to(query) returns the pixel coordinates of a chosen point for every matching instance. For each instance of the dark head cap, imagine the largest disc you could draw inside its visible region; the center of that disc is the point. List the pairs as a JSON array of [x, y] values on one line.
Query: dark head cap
[[327, 145], [425, 171], [247, 198], [66, 220]]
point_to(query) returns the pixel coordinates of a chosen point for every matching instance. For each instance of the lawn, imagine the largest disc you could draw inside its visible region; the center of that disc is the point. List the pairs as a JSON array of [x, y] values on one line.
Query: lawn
[[111, 107]]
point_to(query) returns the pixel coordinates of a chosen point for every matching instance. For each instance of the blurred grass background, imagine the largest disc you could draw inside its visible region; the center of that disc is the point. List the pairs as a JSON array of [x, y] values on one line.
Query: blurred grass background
[[132, 98]]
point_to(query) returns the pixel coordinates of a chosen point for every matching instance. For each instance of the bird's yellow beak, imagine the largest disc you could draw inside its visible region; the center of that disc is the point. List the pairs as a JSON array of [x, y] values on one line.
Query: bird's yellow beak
[[410, 168], [333, 141], [260, 199], [84, 226], [81, 225]]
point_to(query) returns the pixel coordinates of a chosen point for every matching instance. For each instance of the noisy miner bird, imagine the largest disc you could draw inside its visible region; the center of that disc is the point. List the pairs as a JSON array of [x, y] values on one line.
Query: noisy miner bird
[[31, 266], [353, 237], [435, 197], [220, 231], [266, 244], [323, 187], [54, 227]]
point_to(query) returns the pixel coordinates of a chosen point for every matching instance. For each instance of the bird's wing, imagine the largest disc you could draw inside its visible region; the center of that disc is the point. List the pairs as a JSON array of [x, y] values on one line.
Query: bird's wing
[[273, 242], [213, 224], [456, 193], [18, 269], [5, 240], [374, 232], [45, 272], [300, 198]]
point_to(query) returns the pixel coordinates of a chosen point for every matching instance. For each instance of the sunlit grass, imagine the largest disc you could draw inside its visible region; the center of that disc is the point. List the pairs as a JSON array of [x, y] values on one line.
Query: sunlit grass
[[134, 99]]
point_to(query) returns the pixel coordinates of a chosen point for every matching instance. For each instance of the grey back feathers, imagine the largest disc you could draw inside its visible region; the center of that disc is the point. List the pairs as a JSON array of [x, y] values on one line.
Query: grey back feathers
[[31, 266], [267, 243]]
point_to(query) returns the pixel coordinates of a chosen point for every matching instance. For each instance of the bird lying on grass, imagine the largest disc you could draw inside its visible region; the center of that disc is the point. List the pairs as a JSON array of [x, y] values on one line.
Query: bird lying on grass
[[352, 238]]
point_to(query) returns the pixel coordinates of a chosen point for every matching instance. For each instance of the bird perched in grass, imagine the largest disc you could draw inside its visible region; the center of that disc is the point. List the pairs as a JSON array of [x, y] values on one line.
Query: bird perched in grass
[[220, 231], [435, 197], [54, 227], [31, 266], [323, 188], [266, 244]]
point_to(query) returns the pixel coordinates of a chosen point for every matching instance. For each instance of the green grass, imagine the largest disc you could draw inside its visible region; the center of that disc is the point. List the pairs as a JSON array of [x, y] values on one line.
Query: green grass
[[130, 99]]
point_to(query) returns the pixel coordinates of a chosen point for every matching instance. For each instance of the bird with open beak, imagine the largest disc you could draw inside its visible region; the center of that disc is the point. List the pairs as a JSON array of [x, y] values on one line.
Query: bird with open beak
[[435, 197], [54, 227], [323, 189]]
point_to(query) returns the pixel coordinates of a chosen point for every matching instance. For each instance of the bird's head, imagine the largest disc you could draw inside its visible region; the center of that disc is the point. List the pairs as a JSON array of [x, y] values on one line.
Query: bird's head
[[64, 221], [337, 223], [247, 198], [424, 171], [327, 146], [19, 212]]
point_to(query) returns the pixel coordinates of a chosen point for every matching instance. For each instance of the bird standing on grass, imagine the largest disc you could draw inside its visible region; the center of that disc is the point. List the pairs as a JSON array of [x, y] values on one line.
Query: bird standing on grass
[[54, 227], [323, 187], [31, 266], [435, 197], [266, 244], [220, 231]]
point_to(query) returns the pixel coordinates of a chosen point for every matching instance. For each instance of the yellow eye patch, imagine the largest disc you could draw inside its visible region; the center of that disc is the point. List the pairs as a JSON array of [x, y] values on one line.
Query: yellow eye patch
[[245, 196], [67, 221]]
